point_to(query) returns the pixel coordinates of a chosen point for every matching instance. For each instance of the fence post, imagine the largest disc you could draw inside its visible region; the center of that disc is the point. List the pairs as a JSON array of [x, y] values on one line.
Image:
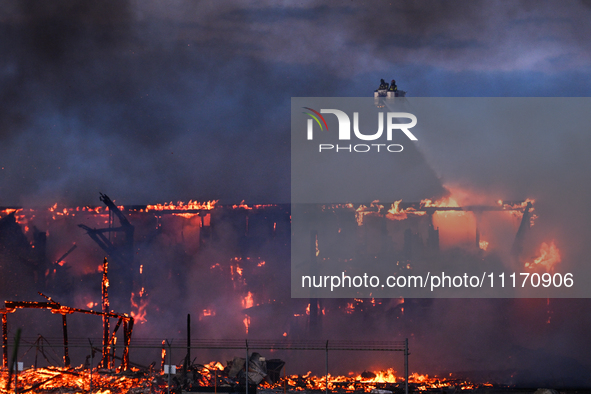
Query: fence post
[[91, 363], [406, 366], [326, 377], [246, 366], [169, 363]]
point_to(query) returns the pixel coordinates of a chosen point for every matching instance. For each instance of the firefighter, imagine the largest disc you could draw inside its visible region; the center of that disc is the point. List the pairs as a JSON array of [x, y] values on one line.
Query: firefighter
[[393, 87]]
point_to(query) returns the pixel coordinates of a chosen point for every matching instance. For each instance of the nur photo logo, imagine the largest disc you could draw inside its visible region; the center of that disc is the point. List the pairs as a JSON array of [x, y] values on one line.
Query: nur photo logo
[[392, 120]]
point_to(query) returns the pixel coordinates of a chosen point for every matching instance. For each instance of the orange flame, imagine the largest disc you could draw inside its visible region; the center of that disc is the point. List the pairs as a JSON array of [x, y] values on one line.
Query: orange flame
[[139, 308], [78, 380], [483, 245], [247, 302], [181, 206], [246, 322], [241, 205], [549, 255], [395, 212]]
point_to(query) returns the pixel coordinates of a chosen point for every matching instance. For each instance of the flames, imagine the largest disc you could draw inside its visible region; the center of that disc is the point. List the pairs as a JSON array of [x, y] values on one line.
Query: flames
[[374, 209], [81, 379], [139, 306], [55, 211], [246, 322], [368, 381], [206, 313], [316, 246], [242, 205], [181, 206], [517, 209], [76, 380], [549, 255], [247, 301], [397, 213]]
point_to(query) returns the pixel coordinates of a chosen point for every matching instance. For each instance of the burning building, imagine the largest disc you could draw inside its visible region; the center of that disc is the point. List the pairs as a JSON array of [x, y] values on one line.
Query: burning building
[[227, 266]]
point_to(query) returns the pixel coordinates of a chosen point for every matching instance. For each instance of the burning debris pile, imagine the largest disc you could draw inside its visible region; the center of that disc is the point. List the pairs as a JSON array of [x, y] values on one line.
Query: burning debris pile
[[78, 380], [222, 264], [377, 382], [232, 378], [109, 339], [215, 378]]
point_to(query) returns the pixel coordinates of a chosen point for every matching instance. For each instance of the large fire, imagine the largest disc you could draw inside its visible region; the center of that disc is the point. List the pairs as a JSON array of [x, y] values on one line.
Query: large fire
[[82, 380], [76, 380], [446, 214], [460, 216]]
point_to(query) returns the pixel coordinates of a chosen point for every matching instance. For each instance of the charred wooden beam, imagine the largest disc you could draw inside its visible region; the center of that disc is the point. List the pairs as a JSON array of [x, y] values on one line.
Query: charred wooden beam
[[66, 254], [163, 355], [126, 350], [121, 254], [116, 329], [188, 355], [116, 211], [105, 305], [13, 363], [31, 304], [127, 330], [188, 338], [113, 341], [57, 308], [11, 306], [100, 239], [124, 360], [4, 340], [523, 229]]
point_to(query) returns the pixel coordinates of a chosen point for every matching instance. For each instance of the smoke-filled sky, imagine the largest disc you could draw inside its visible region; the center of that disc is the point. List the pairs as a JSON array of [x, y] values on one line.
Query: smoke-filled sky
[[152, 102]]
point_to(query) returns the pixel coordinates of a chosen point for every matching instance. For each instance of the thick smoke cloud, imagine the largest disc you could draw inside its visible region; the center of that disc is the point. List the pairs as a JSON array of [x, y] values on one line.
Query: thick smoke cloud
[[154, 103]]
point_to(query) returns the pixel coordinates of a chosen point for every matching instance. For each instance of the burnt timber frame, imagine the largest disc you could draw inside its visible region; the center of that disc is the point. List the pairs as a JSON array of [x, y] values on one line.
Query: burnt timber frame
[[57, 308]]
